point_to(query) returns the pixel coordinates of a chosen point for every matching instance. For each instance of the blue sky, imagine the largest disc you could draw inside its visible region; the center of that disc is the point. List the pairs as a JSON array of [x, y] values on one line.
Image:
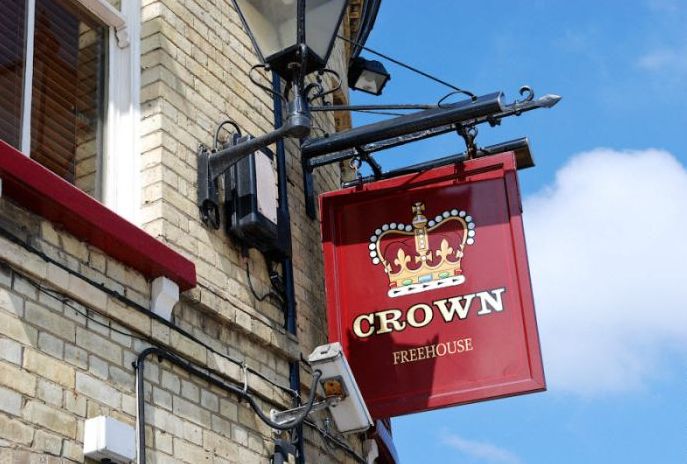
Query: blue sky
[[605, 215]]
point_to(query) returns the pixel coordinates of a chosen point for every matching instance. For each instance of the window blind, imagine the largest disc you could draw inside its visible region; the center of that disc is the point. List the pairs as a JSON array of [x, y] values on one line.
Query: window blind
[[66, 111], [12, 32]]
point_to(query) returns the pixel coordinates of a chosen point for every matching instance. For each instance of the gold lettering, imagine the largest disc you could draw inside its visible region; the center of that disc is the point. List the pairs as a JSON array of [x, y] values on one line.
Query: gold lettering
[[404, 356], [396, 356], [491, 300], [422, 353], [456, 309], [358, 325], [390, 318], [413, 355], [439, 353], [426, 319], [460, 344], [449, 344]]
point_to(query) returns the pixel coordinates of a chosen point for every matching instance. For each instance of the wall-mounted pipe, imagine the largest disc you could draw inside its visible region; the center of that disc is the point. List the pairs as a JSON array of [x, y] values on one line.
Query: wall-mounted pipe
[[287, 263], [243, 393]]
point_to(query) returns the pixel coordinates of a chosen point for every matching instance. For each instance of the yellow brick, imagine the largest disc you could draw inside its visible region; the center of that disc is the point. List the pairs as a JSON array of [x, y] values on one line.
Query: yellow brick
[[50, 321], [17, 379], [17, 329], [128, 316], [50, 418], [81, 290], [50, 368], [74, 247], [57, 277], [22, 259], [15, 431], [188, 347]]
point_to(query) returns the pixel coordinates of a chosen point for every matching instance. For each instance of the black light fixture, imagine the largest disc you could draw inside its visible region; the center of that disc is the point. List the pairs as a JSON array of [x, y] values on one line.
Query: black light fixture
[[293, 38], [369, 76], [285, 32]]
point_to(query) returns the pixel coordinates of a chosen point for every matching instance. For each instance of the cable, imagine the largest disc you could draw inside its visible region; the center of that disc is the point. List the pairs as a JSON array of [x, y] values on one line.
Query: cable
[[337, 441], [11, 237], [207, 376], [411, 68], [301, 418], [162, 353], [66, 301], [254, 292], [383, 113], [230, 122], [250, 285]]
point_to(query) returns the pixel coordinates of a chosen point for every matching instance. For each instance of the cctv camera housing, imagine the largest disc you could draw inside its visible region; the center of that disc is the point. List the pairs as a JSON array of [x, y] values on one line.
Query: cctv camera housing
[[350, 414]]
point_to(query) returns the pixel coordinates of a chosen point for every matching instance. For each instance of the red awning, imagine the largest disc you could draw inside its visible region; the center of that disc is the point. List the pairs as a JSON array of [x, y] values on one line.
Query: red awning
[[39, 190]]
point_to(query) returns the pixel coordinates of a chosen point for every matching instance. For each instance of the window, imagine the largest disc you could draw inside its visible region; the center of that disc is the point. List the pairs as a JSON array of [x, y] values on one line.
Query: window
[[12, 32], [57, 117], [69, 92]]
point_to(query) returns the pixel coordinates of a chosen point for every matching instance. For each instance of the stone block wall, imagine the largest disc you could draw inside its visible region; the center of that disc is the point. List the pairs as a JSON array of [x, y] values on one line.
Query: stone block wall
[[195, 59], [73, 320]]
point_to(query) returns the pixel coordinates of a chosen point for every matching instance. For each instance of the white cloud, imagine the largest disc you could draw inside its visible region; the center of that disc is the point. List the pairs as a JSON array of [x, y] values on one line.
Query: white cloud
[[608, 254], [664, 60], [665, 52], [665, 6], [480, 450]]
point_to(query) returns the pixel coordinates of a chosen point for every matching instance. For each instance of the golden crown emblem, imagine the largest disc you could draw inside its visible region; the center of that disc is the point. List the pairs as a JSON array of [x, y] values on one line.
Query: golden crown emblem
[[425, 254]]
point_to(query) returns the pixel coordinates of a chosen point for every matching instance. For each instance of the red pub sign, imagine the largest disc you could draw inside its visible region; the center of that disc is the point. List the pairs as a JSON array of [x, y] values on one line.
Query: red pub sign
[[428, 287]]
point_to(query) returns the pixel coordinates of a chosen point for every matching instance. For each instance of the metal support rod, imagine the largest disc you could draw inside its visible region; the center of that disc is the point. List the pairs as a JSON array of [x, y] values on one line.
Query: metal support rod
[[408, 67], [287, 262], [407, 124], [374, 165], [384, 143], [224, 159], [517, 145], [373, 107], [288, 416], [323, 160]]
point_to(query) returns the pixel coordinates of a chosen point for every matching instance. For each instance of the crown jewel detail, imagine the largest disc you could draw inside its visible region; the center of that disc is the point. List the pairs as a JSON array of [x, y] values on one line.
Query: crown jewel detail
[[425, 254]]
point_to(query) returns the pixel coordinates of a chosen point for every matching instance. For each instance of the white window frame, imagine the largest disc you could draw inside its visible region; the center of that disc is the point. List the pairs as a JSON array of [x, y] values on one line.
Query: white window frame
[[118, 180]]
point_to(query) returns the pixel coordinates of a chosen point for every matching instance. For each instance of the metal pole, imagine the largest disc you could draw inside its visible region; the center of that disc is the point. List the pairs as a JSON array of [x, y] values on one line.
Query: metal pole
[[414, 127], [373, 107], [287, 263], [225, 158], [519, 146], [402, 125]]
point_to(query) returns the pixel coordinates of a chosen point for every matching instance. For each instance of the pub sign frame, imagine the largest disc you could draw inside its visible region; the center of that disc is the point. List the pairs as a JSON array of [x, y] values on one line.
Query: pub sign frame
[[428, 287]]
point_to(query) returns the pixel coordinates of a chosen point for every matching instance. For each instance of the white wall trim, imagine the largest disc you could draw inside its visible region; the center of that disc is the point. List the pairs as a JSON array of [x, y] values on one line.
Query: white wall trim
[[164, 294], [121, 190], [25, 146], [110, 17]]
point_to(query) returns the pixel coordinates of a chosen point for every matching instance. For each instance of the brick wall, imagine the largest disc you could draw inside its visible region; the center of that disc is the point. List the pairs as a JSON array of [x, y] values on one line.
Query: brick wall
[[67, 342], [70, 330], [195, 61]]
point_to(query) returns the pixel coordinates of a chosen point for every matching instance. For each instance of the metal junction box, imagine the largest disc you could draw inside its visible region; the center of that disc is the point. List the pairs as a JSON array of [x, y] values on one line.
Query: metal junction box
[[252, 203]]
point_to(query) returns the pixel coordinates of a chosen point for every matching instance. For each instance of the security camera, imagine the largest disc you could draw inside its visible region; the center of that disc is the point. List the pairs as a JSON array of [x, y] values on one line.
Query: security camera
[[346, 404]]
